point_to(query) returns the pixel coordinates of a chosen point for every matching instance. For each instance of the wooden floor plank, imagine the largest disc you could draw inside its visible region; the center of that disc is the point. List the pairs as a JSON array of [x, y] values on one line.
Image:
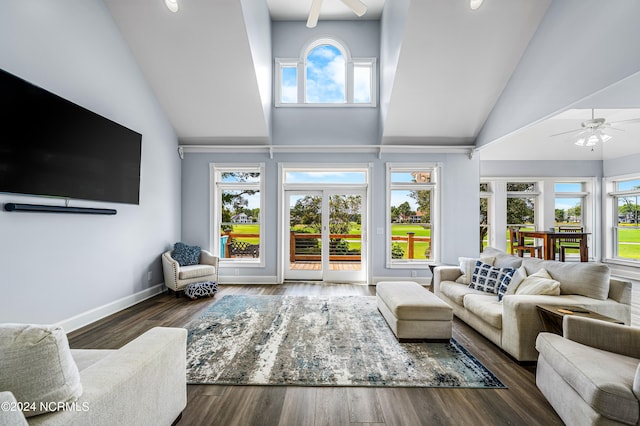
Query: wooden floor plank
[[522, 403]]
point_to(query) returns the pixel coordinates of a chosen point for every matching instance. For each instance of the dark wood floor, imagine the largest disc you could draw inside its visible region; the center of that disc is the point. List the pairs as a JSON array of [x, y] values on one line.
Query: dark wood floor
[[520, 404]]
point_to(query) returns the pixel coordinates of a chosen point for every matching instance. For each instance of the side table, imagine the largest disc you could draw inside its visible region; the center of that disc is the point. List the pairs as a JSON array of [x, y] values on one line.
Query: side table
[[552, 315]]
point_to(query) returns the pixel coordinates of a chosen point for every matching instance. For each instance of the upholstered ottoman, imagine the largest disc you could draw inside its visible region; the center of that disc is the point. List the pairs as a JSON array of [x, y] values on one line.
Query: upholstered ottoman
[[195, 290], [413, 312]]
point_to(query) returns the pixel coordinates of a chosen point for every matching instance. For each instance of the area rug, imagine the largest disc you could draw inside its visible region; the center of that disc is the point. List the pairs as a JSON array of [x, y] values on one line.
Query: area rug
[[318, 341]]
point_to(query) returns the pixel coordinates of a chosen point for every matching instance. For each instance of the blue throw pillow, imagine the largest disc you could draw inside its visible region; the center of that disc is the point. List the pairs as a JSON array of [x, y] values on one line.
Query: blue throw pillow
[[186, 255], [488, 278]]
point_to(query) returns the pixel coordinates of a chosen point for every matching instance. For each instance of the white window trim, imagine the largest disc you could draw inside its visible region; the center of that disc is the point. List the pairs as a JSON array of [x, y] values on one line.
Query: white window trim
[[215, 212], [435, 211], [546, 195], [300, 64], [610, 209]]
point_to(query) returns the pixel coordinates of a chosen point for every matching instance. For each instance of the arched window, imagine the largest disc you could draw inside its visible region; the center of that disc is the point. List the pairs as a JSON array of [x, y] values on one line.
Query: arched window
[[325, 74]]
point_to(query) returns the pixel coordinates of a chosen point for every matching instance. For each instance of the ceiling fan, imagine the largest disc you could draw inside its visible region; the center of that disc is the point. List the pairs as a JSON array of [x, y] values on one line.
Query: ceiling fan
[[592, 131], [356, 6]]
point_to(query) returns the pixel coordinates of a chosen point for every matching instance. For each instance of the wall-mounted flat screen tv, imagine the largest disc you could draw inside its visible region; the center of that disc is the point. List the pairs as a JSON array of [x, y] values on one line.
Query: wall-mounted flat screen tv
[[50, 146]]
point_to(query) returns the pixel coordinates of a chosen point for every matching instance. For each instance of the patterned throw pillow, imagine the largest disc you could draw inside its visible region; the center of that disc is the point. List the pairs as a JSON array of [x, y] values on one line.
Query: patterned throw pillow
[[510, 282], [186, 255], [487, 277]]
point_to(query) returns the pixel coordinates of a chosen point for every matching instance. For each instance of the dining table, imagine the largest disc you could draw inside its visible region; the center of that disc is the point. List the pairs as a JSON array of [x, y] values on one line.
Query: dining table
[[551, 238]]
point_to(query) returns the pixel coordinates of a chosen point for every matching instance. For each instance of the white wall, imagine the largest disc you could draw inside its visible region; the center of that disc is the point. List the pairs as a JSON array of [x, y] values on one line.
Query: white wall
[[54, 267], [327, 126], [459, 211], [581, 47]]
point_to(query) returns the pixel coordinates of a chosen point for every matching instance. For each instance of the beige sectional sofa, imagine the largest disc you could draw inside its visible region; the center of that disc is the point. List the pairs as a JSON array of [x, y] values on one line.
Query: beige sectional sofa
[[514, 323]]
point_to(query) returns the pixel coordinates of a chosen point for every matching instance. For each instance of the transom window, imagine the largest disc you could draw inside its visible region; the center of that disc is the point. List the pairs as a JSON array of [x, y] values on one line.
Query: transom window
[[325, 74]]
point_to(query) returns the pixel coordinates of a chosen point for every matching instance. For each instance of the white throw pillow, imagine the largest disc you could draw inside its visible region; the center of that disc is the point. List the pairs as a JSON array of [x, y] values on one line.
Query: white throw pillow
[[468, 264], [539, 283], [36, 366]]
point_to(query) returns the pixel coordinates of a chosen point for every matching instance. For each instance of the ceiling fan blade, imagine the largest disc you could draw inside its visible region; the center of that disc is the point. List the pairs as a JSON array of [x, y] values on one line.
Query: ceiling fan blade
[[566, 133], [357, 6], [630, 121], [314, 14]]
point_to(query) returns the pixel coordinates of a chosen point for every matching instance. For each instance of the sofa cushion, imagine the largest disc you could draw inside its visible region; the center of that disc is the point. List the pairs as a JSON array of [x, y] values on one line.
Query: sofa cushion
[[539, 283], [603, 379], [195, 271], [467, 265], [456, 292], [583, 278], [36, 366], [502, 259], [510, 283], [485, 306], [487, 277], [186, 255]]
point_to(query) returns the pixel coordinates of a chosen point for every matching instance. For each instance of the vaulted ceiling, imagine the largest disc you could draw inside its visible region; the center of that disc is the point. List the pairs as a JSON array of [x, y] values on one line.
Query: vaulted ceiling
[[452, 63]]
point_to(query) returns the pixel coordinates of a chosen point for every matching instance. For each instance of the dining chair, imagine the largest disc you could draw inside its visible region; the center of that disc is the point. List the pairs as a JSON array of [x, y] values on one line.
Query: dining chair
[[568, 243], [518, 245]]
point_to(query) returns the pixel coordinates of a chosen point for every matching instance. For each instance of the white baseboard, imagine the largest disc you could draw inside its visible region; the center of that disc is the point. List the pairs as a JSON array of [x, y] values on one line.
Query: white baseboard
[[424, 281], [95, 314], [249, 279]]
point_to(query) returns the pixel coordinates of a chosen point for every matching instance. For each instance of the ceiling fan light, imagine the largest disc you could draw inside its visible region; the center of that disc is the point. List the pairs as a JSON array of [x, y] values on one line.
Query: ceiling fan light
[[172, 5], [605, 137], [475, 4], [581, 141]]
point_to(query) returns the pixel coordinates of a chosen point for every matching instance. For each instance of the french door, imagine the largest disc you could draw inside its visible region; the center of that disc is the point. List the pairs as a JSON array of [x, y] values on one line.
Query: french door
[[326, 235]]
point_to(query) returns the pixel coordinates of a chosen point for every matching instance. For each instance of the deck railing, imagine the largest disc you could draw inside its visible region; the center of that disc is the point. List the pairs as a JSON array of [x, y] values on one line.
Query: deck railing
[[306, 247]]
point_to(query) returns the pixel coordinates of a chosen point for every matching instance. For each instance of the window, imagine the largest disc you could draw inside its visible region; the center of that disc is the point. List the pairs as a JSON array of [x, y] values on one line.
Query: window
[[569, 204], [521, 206], [485, 205], [237, 213], [626, 219], [325, 74], [411, 213]]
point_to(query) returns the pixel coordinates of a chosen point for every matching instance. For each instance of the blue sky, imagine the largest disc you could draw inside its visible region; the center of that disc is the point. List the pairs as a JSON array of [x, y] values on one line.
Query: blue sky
[[325, 177], [325, 74]]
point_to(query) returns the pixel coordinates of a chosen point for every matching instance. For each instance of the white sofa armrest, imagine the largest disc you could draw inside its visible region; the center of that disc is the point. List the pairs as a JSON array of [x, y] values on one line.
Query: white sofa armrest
[[444, 273], [521, 323], [142, 383], [10, 415], [610, 337]]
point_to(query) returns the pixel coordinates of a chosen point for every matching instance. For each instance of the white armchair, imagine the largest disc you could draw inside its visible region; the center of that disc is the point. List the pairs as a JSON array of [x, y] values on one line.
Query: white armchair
[[177, 277], [591, 375]]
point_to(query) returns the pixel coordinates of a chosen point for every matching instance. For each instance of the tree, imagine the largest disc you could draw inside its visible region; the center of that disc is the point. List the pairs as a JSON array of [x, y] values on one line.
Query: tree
[[559, 215], [307, 211], [235, 201], [519, 210], [404, 210], [423, 199]]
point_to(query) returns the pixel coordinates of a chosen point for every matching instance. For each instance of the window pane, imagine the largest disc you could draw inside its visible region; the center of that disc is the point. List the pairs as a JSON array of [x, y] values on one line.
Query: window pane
[[362, 84], [628, 185], [520, 211], [627, 227], [325, 177], [568, 187], [484, 222], [240, 227], [246, 177], [411, 225], [521, 186], [326, 72], [289, 85], [422, 176], [568, 211]]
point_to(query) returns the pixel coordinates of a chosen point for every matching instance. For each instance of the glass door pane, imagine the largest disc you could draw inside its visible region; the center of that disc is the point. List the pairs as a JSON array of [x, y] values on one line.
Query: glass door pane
[[305, 242], [346, 238]]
